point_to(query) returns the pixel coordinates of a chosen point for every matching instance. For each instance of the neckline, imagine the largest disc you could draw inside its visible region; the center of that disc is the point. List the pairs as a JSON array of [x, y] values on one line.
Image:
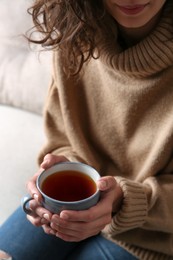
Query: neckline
[[148, 57]]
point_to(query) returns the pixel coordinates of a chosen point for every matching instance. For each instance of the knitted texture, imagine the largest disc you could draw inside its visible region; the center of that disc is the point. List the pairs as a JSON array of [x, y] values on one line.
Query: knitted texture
[[118, 117]]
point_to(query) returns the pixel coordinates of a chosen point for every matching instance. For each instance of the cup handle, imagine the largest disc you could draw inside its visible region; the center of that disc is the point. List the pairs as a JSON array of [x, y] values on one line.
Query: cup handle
[[25, 204]]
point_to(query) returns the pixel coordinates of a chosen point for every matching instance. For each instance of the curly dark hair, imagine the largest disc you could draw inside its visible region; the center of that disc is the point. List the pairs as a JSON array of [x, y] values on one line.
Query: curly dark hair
[[77, 27]]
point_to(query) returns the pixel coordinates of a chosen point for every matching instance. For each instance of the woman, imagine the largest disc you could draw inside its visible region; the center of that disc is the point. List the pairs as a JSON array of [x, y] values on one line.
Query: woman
[[110, 106]]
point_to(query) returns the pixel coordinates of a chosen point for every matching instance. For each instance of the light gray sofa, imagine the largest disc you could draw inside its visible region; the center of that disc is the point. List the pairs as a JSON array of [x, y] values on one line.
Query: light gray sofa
[[24, 79]]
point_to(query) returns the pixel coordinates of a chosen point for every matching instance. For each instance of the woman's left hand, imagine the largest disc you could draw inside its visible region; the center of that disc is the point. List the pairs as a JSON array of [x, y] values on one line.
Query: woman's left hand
[[74, 226]]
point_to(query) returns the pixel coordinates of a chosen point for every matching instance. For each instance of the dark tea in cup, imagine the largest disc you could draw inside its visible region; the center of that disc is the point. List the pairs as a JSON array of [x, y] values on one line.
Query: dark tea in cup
[[69, 186]]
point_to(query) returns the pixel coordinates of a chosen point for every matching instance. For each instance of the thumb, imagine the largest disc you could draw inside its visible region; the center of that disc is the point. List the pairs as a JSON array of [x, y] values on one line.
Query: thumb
[[51, 159], [106, 183]]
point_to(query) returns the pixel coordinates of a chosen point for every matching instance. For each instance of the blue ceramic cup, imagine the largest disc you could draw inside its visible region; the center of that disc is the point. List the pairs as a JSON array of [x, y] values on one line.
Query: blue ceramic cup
[[78, 176]]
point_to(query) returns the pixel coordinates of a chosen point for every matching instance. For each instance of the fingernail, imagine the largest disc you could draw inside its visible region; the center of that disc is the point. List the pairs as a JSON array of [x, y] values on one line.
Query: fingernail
[[35, 196], [102, 184], [64, 216], [46, 216]]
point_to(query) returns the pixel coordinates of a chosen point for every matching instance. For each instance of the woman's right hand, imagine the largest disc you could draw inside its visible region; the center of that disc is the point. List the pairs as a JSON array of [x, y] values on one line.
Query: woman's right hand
[[40, 215]]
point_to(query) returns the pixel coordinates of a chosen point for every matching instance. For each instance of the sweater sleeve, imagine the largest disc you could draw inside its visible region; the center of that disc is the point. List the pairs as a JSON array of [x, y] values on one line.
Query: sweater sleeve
[[146, 205], [133, 212]]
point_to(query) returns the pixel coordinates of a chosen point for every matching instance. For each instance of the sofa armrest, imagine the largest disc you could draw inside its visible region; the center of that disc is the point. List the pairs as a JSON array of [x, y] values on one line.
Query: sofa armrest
[[21, 138]]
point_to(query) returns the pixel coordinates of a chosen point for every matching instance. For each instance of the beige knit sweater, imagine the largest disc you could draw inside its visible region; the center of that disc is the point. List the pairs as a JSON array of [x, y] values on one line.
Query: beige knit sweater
[[118, 117]]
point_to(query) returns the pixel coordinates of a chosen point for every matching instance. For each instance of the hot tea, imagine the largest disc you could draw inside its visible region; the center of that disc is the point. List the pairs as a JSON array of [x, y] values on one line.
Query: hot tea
[[68, 186]]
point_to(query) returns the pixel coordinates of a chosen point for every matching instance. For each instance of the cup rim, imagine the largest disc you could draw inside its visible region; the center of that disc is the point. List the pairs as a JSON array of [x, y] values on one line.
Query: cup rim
[[96, 193]]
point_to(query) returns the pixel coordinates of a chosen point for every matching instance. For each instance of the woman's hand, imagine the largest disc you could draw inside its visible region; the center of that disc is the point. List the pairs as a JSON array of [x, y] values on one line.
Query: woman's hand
[[79, 225], [40, 215]]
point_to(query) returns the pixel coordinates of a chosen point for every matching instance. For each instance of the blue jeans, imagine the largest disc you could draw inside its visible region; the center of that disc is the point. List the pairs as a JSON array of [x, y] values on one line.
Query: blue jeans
[[23, 241]]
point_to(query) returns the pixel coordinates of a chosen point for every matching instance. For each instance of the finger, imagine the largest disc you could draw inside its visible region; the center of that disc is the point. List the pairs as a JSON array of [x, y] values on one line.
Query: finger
[[72, 228], [69, 234], [111, 192], [67, 238], [48, 230], [35, 220], [43, 213], [89, 215], [40, 211], [75, 236], [51, 159], [76, 231], [106, 183]]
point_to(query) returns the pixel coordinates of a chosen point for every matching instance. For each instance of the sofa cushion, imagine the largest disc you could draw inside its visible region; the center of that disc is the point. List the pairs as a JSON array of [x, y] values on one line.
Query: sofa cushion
[[24, 73], [21, 138]]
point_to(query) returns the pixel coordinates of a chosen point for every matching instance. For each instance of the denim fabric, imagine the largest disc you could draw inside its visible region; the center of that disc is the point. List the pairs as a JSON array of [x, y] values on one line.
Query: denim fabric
[[23, 241]]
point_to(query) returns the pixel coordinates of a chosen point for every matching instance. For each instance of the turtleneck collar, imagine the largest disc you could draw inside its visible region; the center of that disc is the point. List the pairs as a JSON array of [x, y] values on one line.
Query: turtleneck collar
[[151, 55]]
